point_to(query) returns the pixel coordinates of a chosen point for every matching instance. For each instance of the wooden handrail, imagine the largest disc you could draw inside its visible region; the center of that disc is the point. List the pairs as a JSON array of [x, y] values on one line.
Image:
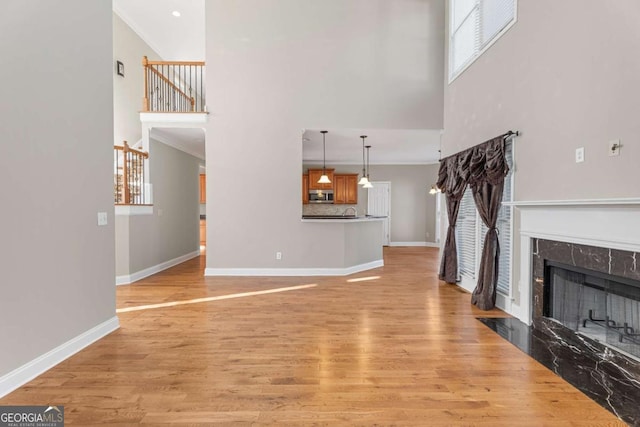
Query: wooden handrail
[[165, 94], [169, 82], [133, 172], [133, 150], [196, 63]]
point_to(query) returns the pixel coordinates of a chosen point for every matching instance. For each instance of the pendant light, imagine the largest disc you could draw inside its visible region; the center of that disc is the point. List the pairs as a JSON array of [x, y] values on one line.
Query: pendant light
[[368, 184], [364, 179], [324, 179]]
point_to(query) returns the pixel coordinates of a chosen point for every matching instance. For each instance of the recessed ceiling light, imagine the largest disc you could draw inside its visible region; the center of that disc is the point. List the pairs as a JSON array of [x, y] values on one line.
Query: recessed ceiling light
[[176, 13]]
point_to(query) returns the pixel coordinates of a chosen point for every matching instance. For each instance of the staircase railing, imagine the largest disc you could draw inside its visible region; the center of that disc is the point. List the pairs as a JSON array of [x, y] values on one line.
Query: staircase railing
[[173, 87], [129, 175]]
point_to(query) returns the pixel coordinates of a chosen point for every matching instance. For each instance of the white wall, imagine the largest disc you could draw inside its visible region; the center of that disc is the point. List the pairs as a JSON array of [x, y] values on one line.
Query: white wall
[[279, 66], [128, 91], [56, 161], [566, 76]]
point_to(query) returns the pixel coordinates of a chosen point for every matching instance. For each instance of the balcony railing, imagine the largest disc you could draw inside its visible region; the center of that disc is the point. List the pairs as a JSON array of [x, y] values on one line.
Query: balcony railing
[[173, 87], [129, 175]]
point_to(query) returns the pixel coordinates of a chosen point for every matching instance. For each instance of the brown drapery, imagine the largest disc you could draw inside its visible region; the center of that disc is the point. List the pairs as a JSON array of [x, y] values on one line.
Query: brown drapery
[[483, 167]]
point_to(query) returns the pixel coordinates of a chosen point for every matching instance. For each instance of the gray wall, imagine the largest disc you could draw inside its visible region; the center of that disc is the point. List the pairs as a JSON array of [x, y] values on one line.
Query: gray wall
[[292, 65], [173, 229], [413, 209], [566, 76], [128, 91], [56, 161]]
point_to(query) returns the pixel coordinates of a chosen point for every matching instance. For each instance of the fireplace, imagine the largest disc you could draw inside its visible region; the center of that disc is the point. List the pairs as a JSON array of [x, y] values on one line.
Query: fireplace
[[585, 309], [600, 306]]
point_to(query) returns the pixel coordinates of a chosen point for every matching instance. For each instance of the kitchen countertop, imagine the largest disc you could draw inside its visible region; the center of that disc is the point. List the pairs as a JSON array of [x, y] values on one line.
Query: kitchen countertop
[[339, 219]]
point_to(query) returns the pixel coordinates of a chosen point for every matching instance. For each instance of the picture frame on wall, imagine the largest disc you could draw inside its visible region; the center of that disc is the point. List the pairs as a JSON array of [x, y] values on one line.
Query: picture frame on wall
[[120, 68]]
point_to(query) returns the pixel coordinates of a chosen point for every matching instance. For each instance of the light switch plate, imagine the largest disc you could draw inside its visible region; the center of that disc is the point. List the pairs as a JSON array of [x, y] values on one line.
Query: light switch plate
[[580, 155], [102, 218]]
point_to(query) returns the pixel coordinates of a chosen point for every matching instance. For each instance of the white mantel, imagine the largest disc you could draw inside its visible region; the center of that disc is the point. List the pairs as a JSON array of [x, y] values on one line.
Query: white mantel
[[608, 223]]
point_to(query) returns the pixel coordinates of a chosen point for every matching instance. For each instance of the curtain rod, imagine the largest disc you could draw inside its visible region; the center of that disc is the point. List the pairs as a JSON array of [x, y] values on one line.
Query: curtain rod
[[504, 135]]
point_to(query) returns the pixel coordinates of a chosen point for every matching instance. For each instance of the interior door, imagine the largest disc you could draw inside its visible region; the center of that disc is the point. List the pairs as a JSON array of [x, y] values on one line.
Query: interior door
[[379, 204]]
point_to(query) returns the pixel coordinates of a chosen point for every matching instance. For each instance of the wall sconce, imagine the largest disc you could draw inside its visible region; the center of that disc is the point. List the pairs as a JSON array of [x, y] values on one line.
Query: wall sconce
[[434, 190]]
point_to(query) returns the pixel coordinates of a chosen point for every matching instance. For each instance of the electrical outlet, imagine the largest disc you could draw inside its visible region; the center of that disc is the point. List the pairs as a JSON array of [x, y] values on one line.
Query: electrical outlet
[[160, 212], [278, 255], [102, 218], [580, 155], [427, 234], [614, 147]]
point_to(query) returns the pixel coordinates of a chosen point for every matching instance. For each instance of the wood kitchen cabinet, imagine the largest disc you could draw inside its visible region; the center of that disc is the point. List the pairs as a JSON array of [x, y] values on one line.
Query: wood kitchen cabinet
[[305, 189], [203, 188], [314, 176], [345, 189]]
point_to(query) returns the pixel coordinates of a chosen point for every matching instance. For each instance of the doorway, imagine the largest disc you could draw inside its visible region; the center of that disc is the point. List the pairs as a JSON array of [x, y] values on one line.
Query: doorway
[[379, 204]]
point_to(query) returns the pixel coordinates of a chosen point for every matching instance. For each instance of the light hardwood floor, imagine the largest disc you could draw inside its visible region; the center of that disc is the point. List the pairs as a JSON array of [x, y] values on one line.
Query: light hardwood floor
[[400, 349]]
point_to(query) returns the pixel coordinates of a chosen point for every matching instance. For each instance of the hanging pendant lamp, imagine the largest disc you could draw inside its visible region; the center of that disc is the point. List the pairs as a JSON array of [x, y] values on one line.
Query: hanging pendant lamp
[[364, 179], [368, 184], [324, 179]]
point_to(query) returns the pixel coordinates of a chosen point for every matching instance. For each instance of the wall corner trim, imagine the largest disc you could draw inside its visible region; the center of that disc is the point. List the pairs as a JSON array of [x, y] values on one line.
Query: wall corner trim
[[27, 372], [139, 275], [293, 271]]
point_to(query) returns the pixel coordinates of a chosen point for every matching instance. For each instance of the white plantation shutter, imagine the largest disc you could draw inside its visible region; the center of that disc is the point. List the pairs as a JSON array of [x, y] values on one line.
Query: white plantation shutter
[[466, 236], [473, 26]]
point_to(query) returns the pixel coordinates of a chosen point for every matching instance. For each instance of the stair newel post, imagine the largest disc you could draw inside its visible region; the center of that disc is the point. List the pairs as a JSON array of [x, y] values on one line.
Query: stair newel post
[[125, 173], [145, 99]]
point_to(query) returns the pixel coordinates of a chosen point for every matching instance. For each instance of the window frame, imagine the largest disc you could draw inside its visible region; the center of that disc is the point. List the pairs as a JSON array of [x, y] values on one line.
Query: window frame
[[479, 49]]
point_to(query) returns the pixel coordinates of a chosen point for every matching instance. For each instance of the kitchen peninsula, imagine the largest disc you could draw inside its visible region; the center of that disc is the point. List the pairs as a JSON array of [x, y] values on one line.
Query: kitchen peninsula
[[357, 241], [330, 209]]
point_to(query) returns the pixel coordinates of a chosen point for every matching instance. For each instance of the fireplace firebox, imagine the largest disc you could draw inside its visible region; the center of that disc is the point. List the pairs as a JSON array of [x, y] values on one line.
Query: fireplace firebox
[[598, 305]]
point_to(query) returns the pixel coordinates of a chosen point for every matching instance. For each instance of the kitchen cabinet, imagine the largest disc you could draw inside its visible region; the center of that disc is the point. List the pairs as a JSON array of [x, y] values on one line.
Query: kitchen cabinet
[[345, 189], [203, 188], [314, 176], [305, 189]]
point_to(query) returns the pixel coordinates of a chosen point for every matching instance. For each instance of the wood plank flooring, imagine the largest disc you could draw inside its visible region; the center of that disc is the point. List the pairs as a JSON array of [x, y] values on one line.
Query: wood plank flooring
[[400, 348]]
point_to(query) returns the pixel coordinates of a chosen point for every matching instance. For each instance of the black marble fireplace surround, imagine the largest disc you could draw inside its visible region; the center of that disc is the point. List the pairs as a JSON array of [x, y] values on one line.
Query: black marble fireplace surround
[[603, 373]]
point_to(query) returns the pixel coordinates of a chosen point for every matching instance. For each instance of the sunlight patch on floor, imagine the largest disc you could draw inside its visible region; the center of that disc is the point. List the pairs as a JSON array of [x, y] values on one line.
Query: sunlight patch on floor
[[216, 298], [363, 279]]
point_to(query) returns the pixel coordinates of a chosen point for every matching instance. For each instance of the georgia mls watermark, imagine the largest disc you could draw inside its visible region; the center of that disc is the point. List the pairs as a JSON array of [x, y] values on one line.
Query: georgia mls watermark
[[31, 416]]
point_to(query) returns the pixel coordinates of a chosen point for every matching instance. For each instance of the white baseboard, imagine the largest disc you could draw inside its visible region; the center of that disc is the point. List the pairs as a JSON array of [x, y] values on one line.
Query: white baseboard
[[293, 271], [130, 278], [25, 373], [427, 244]]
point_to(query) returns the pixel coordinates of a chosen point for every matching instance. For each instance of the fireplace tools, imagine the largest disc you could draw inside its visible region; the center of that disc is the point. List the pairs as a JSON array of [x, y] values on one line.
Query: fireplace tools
[[624, 332]]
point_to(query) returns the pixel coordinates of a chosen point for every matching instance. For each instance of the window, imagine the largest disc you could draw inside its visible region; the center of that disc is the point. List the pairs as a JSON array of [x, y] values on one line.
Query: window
[[470, 233], [473, 26]]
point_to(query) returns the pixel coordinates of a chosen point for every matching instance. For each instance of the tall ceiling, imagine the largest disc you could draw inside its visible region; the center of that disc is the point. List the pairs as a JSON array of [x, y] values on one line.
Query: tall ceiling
[[183, 38], [173, 38]]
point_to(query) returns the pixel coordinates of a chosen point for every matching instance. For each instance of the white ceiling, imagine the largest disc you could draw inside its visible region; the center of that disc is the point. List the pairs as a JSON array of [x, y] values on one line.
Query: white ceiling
[[183, 39], [388, 146], [173, 38], [189, 140]]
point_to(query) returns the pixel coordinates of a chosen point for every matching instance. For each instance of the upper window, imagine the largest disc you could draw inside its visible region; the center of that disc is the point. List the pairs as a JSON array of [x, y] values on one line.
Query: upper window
[[473, 26]]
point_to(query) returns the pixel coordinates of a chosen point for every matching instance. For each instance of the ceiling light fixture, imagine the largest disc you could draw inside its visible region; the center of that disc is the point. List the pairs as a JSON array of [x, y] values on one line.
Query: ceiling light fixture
[[364, 179], [176, 14], [368, 184], [324, 179]]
